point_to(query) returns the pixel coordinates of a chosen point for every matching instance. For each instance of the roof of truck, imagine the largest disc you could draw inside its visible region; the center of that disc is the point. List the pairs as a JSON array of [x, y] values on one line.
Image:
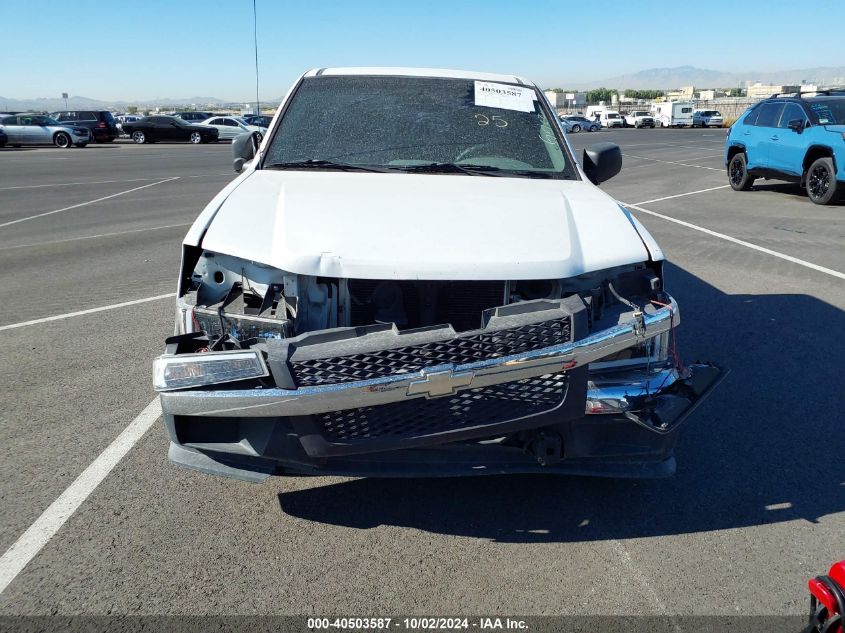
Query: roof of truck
[[418, 72]]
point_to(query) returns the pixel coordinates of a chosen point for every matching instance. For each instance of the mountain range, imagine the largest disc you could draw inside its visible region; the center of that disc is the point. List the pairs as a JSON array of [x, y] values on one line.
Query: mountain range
[[653, 78], [670, 78], [50, 104]]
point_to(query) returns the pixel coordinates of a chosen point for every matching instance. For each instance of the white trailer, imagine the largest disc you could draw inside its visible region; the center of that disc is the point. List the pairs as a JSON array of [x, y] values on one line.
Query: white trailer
[[673, 113]]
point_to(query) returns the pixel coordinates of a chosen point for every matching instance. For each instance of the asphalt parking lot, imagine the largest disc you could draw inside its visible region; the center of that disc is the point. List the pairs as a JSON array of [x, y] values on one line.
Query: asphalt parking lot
[[89, 249]]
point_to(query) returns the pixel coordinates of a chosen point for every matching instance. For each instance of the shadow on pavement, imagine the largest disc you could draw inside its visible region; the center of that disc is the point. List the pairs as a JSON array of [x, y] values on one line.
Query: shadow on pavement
[[766, 447]]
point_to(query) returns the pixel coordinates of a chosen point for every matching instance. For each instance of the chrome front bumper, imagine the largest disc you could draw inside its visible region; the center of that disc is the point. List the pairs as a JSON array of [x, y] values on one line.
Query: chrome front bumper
[[399, 387]]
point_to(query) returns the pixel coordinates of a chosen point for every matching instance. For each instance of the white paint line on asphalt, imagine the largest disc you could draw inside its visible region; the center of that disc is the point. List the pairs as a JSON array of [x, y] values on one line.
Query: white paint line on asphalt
[[767, 251], [68, 315], [672, 162], [83, 204], [70, 184], [640, 577], [105, 182], [51, 520], [678, 195], [91, 237]]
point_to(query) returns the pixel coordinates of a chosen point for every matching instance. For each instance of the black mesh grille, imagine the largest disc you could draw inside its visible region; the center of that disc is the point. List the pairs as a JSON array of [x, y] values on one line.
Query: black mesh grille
[[469, 408], [461, 349]]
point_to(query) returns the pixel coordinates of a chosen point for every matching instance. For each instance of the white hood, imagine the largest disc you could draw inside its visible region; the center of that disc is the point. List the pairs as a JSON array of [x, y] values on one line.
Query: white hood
[[419, 226]]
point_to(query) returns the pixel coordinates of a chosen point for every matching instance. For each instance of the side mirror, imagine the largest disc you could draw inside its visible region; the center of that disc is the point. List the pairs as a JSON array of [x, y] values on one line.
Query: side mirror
[[796, 125], [244, 148], [601, 162]]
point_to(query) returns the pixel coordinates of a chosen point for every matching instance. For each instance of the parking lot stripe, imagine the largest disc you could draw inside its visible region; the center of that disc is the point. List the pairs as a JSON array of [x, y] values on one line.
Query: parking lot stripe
[[83, 204], [57, 513], [673, 162], [105, 182], [68, 315], [70, 184], [767, 251], [678, 195], [91, 237]]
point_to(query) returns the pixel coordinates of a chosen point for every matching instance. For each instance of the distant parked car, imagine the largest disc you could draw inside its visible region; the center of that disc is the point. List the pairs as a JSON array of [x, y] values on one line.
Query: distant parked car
[[796, 139], [639, 118], [39, 129], [152, 129], [228, 127], [707, 118], [578, 123], [193, 117], [3, 138], [259, 120], [100, 123]]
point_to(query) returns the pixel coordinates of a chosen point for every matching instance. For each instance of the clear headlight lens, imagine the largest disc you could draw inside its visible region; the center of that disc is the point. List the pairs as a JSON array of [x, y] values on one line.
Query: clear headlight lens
[[209, 368]]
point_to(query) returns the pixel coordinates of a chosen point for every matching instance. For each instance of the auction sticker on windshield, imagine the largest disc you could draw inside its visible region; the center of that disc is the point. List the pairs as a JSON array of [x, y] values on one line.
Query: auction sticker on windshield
[[493, 95]]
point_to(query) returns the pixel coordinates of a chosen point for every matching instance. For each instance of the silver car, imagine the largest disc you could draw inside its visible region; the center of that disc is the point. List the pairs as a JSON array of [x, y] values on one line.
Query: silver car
[[38, 129], [231, 126]]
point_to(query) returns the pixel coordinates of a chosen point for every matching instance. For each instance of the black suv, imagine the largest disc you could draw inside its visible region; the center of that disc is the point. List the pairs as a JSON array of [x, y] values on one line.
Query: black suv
[[101, 123]]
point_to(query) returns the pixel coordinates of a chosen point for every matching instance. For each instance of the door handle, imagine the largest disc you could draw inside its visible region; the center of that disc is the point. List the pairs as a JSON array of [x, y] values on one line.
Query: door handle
[[775, 137], [747, 133]]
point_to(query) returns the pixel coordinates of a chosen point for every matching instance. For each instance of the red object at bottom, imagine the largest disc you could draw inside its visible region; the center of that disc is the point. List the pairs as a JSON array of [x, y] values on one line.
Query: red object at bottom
[[827, 603]]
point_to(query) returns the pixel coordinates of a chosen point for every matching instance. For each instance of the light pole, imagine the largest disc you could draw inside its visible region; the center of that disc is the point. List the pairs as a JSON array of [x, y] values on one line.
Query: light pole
[[64, 96]]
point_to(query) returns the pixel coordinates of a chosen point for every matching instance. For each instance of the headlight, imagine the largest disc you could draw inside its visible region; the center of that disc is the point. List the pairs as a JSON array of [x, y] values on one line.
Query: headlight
[[209, 368]]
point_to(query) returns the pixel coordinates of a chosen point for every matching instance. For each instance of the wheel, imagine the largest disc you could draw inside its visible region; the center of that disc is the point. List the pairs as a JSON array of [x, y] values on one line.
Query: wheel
[[575, 128], [195, 138], [61, 140], [594, 128], [821, 181], [738, 175], [139, 137], [81, 144]]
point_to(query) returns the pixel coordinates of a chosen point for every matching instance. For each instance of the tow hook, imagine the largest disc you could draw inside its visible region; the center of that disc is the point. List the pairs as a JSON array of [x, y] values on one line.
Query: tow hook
[[547, 448]]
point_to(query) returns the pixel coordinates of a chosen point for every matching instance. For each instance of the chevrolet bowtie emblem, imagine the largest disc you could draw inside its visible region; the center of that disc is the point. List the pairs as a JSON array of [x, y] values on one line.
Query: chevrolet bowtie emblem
[[439, 381]]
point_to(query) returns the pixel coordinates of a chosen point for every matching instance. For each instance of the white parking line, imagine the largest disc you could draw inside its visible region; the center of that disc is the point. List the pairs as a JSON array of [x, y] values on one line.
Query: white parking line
[[83, 204], [677, 195], [68, 315], [91, 237], [789, 258], [105, 182], [672, 162], [70, 184], [57, 513]]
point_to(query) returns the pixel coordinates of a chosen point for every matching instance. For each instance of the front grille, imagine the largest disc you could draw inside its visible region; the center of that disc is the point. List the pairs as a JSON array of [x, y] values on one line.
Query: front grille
[[465, 348], [466, 409]]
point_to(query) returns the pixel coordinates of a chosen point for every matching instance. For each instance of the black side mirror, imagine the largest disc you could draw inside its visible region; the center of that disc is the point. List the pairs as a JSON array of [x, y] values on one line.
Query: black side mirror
[[602, 162], [244, 148], [796, 125]]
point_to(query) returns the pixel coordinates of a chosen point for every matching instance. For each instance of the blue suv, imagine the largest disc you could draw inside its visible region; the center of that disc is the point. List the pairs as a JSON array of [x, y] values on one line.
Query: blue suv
[[791, 138]]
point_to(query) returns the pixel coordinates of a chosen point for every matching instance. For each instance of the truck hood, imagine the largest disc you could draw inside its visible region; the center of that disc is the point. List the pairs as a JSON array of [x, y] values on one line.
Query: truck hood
[[419, 226]]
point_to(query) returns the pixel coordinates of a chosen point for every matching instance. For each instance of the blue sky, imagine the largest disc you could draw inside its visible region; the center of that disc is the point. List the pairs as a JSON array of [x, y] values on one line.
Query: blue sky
[[166, 48]]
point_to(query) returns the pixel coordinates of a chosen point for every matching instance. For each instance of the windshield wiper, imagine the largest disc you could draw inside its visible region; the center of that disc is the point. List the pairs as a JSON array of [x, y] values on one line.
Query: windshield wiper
[[324, 164], [473, 170]]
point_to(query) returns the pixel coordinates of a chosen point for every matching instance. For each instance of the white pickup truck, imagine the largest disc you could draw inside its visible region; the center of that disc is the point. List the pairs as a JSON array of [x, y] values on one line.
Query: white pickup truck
[[639, 118], [415, 274]]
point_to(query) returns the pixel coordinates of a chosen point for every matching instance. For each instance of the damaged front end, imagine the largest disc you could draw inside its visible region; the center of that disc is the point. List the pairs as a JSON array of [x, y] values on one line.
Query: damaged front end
[[277, 372]]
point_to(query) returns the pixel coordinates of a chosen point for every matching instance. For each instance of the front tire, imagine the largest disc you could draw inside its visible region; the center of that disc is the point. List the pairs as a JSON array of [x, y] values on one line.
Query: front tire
[[822, 187], [139, 137], [195, 138], [62, 140], [738, 176]]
